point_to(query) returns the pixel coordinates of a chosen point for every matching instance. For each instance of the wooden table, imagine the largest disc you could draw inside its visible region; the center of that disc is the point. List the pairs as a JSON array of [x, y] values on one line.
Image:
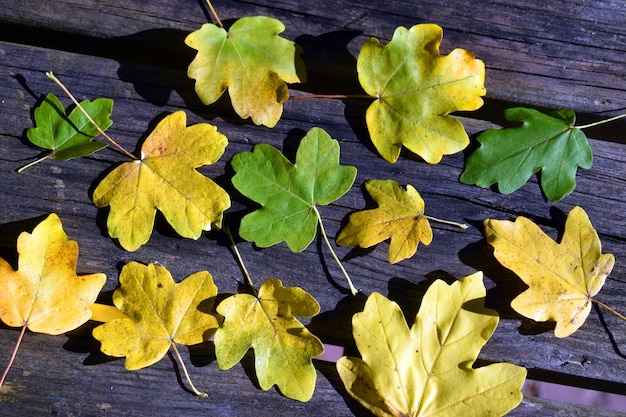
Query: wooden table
[[549, 54]]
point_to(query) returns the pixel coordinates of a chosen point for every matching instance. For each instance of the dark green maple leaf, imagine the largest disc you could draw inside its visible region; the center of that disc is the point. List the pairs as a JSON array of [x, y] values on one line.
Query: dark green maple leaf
[[547, 142]]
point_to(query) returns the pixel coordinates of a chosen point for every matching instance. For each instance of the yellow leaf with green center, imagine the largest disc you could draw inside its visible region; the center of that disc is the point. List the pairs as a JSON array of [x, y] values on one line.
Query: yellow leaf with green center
[[45, 294], [252, 61], [165, 178], [427, 370], [562, 278], [160, 312], [399, 216], [283, 347], [415, 90]]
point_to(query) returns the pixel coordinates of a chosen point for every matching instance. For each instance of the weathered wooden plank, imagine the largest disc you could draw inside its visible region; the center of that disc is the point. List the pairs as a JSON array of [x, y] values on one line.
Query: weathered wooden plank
[[551, 54], [593, 352]]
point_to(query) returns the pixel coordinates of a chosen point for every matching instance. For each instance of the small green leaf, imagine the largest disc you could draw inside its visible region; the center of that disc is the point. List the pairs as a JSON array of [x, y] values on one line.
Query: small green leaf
[[547, 142], [289, 192], [69, 136]]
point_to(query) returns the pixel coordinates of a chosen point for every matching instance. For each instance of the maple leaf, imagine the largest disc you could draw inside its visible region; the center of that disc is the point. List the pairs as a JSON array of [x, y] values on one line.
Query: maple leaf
[[427, 370], [415, 90], [547, 142], [290, 192], [45, 295], [283, 347], [69, 136], [159, 312], [562, 277], [399, 216], [251, 60], [166, 179]]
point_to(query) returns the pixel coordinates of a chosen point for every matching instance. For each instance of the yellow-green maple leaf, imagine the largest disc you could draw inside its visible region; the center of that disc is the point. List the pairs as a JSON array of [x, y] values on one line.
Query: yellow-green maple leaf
[[415, 89], [165, 178], [159, 312], [427, 370], [399, 216], [562, 278], [252, 61], [283, 347], [45, 294]]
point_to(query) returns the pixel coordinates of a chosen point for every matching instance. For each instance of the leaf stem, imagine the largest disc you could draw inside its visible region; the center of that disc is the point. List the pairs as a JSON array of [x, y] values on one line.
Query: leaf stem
[[239, 258], [104, 313], [601, 122], [13, 355], [214, 13], [434, 219], [353, 290], [36, 161], [601, 304], [332, 96], [184, 368], [50, 75]]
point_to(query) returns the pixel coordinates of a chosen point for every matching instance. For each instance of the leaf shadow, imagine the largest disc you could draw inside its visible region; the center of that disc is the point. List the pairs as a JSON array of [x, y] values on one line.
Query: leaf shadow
[[335, 327], [10, 231], [607, 329]]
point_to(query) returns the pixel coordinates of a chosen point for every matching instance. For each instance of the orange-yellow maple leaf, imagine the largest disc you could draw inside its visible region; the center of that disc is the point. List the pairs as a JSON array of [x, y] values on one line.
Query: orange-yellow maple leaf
[[562, 277], [45, 294], [399, 216]]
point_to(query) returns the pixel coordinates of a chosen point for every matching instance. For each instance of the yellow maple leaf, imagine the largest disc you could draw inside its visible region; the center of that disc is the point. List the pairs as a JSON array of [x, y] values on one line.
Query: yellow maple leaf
[[166, 179], [399, 216], [415, 90], [562, 277], [45, 294], [427, 370], [159, 314], [283, 347]]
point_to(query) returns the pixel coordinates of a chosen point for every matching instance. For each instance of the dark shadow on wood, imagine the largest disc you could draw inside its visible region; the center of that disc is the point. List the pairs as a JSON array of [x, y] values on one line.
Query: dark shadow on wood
[[611, 336]]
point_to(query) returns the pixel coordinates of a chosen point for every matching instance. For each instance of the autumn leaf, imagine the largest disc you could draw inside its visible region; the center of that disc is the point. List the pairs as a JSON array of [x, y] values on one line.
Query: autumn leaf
[[290, 192], [45, 295], [252, 61], [562, 277], [415, 89], [283, 347], [549, 143], [427, 370], [69, 136], [160, 313], [399, 216], [166, 179]]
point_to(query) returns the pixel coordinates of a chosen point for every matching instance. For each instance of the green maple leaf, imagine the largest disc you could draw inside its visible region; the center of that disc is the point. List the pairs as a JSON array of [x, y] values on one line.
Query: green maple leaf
[[69, 136], [290, 192], [415, 90], [547, 142], [283, 347], [251, 60]]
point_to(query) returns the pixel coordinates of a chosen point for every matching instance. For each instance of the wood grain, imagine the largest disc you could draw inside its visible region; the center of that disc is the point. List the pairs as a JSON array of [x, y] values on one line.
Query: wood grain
[[549, 54]]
